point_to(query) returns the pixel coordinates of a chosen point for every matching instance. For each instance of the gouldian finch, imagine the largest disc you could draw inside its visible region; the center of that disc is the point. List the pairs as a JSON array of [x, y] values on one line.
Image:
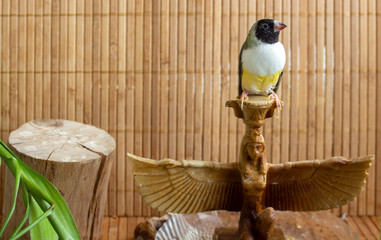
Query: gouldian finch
[[261, 60]]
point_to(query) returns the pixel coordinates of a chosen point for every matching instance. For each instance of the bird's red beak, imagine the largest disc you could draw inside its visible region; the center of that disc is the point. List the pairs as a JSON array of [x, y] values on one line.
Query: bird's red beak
[[278, 26]]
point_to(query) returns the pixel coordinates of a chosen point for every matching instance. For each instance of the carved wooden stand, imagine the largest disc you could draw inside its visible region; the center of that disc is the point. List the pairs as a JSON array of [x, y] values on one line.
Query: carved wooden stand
[[254, 221], [310, 185]]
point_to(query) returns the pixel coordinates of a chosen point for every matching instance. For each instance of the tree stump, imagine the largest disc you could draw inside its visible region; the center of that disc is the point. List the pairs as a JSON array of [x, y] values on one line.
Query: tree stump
[[76, 158]]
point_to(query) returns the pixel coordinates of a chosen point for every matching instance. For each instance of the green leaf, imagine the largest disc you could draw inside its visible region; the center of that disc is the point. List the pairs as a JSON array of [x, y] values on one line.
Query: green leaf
[[44, 230], [44, 193], [25, 197], [37, 221], [14, 199]]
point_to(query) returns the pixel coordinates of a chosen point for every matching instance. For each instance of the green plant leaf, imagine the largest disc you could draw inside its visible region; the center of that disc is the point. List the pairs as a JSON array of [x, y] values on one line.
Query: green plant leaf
[[14, 199], [44, 193], [25, 197], [44, 230], [33, 224]]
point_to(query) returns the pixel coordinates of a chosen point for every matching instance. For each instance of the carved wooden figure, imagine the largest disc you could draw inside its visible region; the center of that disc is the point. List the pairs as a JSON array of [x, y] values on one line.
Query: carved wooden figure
[[253, 168], [252, 184]]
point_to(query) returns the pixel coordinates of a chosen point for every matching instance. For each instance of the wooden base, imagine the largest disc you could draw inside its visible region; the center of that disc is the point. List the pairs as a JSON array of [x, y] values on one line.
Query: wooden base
[[76, 158], [224, 225], [122, 228]]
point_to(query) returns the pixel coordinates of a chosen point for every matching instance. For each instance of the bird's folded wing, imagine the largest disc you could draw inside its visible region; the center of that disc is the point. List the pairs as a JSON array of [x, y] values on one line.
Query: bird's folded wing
[[315, 185], [187, 186]]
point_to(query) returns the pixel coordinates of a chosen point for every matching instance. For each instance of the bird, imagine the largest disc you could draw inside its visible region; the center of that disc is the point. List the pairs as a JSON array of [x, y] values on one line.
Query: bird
[[261, 61]]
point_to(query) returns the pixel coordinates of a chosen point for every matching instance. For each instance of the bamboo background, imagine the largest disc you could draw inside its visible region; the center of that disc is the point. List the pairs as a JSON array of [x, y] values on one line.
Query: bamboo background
[[156, 75]]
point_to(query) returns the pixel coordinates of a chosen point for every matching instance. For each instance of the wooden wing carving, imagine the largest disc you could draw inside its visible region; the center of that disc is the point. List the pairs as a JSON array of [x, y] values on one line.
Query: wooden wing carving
[[187, 186], [190, 186], [315, 185]]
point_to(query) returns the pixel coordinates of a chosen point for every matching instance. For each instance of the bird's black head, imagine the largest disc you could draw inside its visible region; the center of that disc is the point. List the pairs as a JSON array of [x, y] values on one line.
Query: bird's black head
[[268, 30]]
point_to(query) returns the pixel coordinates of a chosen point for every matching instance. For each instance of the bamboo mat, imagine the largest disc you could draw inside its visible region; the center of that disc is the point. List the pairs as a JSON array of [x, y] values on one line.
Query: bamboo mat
[[156, 75]]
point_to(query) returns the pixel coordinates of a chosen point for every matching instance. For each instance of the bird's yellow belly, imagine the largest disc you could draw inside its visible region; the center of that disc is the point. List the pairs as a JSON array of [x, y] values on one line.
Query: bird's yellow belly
[[257, 84]]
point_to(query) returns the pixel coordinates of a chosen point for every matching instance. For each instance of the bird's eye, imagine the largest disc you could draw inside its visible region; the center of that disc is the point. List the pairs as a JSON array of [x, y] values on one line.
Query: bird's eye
[[265, 26]]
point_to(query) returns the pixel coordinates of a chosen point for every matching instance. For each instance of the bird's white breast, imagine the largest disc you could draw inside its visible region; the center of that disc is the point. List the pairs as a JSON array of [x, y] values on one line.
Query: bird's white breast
[[263, 58]]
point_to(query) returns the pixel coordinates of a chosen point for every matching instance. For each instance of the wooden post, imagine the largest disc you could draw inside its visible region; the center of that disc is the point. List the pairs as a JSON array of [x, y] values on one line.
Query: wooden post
[[76, 158]]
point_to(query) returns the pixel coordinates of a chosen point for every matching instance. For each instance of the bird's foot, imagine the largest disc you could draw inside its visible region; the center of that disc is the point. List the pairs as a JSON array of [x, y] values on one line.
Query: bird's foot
[[244, 97], [278, 103]]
